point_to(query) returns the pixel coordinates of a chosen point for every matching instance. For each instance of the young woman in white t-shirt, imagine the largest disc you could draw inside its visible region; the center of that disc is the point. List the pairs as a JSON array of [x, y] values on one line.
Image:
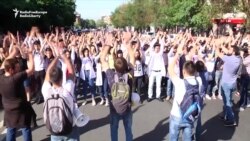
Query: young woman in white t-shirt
[[138, 73], [88, 75]]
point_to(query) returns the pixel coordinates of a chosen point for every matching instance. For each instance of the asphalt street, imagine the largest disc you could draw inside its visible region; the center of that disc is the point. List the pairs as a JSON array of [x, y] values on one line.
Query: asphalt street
[[150, 123]]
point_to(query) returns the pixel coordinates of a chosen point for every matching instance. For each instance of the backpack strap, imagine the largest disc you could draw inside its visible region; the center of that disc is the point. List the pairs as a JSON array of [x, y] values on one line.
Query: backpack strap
[[123, 77], [187, 83]]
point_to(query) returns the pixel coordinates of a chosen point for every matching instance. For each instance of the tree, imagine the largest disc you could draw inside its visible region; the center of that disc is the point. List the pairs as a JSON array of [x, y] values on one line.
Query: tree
[[171, 13], [101, 23], [87, 23]]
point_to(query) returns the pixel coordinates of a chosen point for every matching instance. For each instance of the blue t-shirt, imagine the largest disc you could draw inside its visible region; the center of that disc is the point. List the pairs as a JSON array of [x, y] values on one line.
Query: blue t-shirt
[[230, 68]]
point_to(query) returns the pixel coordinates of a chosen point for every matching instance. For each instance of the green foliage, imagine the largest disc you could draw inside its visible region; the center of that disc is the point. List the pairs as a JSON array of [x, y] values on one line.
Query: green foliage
[[100, 23], [87, 23], [171, 13]]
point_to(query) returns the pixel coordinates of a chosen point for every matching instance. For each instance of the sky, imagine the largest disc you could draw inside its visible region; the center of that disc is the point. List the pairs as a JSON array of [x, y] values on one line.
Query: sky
[[95, 9]]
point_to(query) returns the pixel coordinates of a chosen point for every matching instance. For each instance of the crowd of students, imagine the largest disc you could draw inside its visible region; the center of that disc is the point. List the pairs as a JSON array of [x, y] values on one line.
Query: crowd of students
[[222, 64]]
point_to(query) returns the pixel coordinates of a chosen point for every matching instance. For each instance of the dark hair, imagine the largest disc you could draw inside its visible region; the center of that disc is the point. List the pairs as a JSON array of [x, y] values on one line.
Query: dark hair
[[189, 67], [83, 51], [189, 48], [55, 75], [121, 65], [37, 42], [48, 49], [157, 44], [119, 52], [139, 57], [145, 47], [236, 50], [10, 64], [65, 51], [200, 66]]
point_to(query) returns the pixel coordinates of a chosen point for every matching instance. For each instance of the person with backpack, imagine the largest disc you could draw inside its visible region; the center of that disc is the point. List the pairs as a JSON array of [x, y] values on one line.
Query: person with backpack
[[120, 82], [187, 102], [59, 102]]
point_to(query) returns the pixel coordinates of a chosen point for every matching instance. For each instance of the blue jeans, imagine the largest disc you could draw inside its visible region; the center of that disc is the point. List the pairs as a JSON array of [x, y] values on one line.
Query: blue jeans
[[73, 136], [197, 128], [217, 86], [176, 125], [11, 134], [88, 83], [227, 90], [170, 87], [105, 85], [244, 91], [114, 125], [210, 82], [137, 84]]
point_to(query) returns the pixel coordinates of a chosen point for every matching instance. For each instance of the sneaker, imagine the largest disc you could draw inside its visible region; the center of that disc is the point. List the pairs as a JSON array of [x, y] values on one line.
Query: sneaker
[[214, 97], [220, 97], [149, 99], [102, 102], [107, 103], [93, 102], [84, 102], [248, 106], [241, 109], [237, 94], [229, 123], [159, 99], [208, 97], [220, 117], [168, 98]]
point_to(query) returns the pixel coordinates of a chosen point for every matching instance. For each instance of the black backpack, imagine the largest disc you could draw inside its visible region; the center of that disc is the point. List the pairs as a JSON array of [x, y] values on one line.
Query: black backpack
[[191, 103]]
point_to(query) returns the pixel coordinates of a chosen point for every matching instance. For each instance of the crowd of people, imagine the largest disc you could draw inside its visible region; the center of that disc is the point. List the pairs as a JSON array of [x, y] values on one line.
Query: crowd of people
[[85, 65]]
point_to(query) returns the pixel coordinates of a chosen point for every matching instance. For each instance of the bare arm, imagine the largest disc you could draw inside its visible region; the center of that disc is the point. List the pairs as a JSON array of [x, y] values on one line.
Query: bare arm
[[30, 64], [70, 68], [171, 66], [51, 66], [11, 55], [104, 52]]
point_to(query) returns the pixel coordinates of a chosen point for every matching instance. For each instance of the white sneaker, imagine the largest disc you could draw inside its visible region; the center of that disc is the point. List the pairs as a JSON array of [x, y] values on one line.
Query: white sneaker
[[168, 98], [107, 103], [248, 106], [214, 97], [102, 102], [220, 97], [93, 103], [241, 109], [208, 97], [84, 102]]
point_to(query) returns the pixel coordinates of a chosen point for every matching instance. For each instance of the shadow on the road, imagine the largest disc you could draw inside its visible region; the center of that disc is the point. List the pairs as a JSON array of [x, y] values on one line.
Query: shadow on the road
[[93, 124], [158, 133], [214, 129]]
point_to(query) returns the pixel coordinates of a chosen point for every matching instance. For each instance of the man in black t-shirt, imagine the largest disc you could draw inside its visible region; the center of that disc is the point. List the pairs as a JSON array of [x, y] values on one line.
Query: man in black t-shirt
[[17, 111]]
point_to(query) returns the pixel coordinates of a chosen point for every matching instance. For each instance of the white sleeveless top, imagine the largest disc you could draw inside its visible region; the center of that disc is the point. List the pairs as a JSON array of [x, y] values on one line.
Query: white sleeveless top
[[138, 70]]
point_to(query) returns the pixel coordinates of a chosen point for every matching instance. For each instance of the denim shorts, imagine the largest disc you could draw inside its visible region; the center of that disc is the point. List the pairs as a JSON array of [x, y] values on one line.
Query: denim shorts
[[27, 82]]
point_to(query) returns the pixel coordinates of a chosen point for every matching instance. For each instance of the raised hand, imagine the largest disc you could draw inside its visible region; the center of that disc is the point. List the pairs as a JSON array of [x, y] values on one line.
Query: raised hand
[[109, 39], [57, 30], [127, 37]]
